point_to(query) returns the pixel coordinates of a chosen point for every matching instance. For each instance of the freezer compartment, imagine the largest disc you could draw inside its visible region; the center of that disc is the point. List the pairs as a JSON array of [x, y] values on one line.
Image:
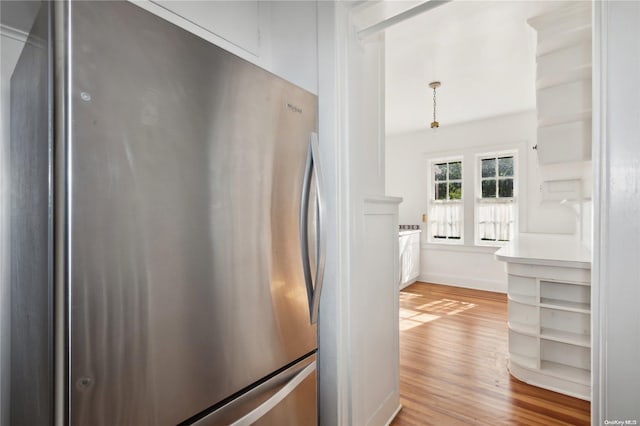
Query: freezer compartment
[[288, 398]]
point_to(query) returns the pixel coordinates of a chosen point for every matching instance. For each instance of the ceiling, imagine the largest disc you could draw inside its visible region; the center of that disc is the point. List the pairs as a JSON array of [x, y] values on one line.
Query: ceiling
[[483, 52]]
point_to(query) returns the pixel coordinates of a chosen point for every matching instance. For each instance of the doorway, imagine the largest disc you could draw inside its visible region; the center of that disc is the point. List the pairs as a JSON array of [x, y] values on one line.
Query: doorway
[[413, 149]]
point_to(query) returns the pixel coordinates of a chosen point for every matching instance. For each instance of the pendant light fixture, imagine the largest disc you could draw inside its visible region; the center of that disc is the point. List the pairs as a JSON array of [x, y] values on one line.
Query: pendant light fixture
[[434, 85]]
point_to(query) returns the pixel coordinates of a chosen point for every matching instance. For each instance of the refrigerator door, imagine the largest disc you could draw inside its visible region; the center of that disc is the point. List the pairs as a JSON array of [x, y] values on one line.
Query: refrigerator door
[[186, 174], [30, 228]]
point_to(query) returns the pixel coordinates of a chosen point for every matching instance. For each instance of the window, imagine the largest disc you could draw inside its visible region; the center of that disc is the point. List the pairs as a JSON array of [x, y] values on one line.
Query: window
[[445, 204], [448, 180], [497, 173], [495, 207]]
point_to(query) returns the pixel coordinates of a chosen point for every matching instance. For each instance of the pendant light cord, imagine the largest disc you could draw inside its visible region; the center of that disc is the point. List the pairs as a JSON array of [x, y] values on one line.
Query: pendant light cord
[[434, 104]]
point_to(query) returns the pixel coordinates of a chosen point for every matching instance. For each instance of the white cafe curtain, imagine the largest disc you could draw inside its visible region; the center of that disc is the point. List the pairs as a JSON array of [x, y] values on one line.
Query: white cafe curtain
[[495, 221], [446, 220]]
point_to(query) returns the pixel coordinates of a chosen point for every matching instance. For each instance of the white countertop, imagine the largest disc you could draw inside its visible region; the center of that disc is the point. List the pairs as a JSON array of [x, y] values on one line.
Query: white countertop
[[547, 250]]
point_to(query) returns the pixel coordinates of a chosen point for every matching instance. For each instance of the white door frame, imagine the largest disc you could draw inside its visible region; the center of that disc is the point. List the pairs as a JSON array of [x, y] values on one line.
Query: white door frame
[[599, 217], [599, 34]]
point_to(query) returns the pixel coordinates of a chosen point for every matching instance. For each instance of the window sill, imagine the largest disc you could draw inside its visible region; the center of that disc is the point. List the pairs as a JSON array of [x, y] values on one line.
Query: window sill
[[492, 244], [445, 243], [460, 248]]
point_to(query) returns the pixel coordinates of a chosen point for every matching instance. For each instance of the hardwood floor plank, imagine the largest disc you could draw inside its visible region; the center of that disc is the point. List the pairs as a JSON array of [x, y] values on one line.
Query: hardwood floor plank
[[453, 364]]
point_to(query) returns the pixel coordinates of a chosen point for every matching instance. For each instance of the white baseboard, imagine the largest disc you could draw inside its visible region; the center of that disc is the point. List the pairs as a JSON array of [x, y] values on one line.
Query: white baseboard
[[408, 283], [393, 416], [465, 282], [386, 411]]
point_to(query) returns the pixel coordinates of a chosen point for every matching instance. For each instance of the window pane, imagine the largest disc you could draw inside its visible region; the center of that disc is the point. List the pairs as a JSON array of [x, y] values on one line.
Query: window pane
[[489, 167], [505, 188], [488, 188], [455, 170], [440, 171], [455, 190], [441, 191], [505, 166]]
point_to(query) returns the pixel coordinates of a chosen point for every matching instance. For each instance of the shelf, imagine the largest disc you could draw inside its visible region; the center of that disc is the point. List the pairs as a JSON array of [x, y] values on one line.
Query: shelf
[[566, 337], [546, 282], [523, 318], [523, 298], [524, 361], [559, 325], [523, 347], [575, 74], [577, 375], [573, 292], [565, 305], [519, 327]]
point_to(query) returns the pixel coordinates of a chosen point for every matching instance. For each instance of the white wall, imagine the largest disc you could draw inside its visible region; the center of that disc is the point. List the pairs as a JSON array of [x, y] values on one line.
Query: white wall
[[616, 265], [407, 172]]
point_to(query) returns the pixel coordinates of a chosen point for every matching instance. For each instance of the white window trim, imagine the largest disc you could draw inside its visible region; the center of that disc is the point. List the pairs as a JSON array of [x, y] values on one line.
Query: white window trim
[[478, 194], [431, 200]]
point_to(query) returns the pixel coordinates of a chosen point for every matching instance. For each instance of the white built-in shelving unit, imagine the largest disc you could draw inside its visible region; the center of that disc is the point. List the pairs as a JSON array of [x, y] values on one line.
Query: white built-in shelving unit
[[563, 83], [549, 314]]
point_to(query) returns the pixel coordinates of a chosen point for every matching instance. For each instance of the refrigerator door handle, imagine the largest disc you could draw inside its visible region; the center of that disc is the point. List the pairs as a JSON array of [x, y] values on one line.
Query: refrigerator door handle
[[258, 412], [321, 231], [313, 166]]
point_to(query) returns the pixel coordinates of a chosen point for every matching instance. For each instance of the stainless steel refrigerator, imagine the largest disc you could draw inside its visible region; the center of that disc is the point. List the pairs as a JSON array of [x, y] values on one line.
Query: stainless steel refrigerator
[[166, 222]]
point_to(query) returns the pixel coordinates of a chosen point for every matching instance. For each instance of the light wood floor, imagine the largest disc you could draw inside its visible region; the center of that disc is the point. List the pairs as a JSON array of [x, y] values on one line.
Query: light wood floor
[[453, 364]]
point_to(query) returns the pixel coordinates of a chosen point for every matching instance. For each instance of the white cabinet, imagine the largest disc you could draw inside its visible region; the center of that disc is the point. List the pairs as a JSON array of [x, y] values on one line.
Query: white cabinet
[[409, 245], [563, 83], [279, 36], [236, 22], [549, 315]]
